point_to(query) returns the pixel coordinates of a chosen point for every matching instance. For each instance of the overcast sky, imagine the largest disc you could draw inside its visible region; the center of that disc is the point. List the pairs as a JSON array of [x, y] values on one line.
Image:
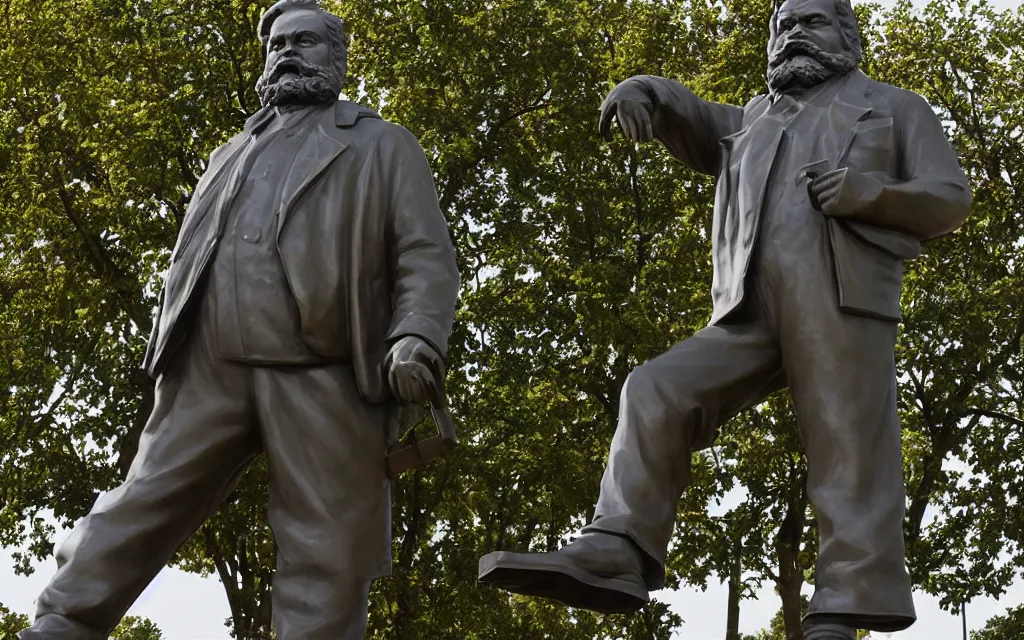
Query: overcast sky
[[187, 607]]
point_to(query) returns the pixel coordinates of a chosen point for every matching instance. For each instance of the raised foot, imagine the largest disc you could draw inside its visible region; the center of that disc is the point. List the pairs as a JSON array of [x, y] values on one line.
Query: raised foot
[[558, 577]]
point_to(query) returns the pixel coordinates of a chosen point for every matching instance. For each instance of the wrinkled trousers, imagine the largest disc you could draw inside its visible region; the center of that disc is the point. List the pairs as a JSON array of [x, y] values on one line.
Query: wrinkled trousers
[[329, 503], [841, 374]]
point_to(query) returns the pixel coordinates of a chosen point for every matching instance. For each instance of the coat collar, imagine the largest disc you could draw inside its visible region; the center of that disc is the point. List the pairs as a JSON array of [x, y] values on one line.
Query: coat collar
[[846, 102], [320, 148], [852, 103], [258, 120], [346, 114], [853, 88]]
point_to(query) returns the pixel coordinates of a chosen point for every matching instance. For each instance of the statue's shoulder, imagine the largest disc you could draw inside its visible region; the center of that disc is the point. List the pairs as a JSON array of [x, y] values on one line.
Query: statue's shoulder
[[755, 107], [883, 94], [349, 114], [365, 123], [236, 139], [364, 127], [754, 102]]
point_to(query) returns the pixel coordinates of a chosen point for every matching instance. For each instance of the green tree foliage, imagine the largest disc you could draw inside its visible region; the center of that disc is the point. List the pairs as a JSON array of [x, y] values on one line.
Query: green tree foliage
[[1004, 627], [136, 628], [580, 258], [10, 622]]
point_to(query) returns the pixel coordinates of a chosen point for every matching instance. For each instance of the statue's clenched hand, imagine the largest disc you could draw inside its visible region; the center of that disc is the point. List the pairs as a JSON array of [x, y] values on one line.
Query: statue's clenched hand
[[843, 192], [633, 116], [415, 371]]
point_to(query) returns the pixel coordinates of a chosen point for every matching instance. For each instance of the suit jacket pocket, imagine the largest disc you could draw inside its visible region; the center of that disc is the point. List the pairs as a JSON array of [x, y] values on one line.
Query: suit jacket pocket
[[872, 146], [869, 278], [895, 243]]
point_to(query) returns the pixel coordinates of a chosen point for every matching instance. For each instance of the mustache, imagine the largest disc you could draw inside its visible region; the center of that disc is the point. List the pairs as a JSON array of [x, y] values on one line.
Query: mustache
[[299, 67], [801, 64], [793, 48], [314, 85]]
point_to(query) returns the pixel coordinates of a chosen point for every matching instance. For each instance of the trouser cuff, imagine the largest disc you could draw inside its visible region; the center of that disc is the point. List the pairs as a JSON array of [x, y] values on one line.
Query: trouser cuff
[[824, 631], [654, 570], [54, 626]]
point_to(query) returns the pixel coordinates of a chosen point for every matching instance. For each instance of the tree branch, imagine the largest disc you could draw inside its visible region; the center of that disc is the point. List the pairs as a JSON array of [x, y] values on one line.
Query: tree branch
[[995, 415], [103, 265]]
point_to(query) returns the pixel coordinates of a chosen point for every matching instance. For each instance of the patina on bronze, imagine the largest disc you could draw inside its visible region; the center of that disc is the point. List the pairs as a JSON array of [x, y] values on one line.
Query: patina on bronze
[[826, 184], [311, 293]]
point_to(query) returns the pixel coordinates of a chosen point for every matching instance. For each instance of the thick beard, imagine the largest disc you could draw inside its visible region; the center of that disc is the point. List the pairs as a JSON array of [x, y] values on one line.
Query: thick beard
[[315, 85], [802, 65]]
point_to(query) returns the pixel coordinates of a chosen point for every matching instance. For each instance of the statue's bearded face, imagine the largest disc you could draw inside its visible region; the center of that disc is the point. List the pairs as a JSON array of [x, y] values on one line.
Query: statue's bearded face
[[808, 46], [299, 68]]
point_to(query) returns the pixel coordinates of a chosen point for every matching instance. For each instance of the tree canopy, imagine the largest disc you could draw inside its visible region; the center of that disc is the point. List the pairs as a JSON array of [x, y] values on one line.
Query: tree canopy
[[136, 628], [580, 259], [1004, 627]]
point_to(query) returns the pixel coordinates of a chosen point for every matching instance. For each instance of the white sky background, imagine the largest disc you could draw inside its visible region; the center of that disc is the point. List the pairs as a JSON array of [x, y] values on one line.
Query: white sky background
[[187, 607]]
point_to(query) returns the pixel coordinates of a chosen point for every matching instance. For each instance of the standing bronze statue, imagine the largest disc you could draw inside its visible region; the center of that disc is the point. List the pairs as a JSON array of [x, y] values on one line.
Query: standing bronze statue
[[825, 186], [312, 290]]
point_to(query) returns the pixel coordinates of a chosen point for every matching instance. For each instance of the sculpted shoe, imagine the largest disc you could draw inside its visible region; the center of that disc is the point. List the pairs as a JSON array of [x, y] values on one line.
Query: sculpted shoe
[[598, 571]]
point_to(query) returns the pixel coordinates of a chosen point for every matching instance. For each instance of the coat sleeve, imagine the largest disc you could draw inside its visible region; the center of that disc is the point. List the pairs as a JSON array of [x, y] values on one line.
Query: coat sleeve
[[688, 126], [931, 197], [425, 275]]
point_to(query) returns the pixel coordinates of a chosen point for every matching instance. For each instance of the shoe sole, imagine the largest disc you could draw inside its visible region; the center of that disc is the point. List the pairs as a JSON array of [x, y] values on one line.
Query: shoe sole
[[564, 583]]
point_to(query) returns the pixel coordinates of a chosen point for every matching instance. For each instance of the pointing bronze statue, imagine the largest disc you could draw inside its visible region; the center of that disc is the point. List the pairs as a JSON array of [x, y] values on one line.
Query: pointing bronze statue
[[825, 185]]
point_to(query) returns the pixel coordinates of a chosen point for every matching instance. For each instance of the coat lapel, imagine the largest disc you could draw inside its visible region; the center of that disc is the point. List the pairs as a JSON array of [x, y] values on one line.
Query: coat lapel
[[223, 155], [848, 108], [317, 152], [218, 160], [750, 155], [199, 204]]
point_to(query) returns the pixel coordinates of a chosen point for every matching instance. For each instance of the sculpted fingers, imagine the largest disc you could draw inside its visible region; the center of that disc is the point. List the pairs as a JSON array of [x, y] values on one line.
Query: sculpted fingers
[[623, 118], [435, 364], [640, 119], [825, 189], [635, 121], [831, 179], [408, 382], [419, 376], [415, 369], [633, 117], [608, 111], [394, 382], [827, 195]]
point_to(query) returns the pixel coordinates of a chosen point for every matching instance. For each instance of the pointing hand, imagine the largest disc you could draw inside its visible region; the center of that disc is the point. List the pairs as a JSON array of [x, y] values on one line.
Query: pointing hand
[[633, 116]]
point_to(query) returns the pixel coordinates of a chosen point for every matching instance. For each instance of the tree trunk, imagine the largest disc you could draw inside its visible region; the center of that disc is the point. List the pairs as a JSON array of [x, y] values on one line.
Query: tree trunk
[[732, 624], [787, 548], [247, 583], [406, 598], [792, 610]]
